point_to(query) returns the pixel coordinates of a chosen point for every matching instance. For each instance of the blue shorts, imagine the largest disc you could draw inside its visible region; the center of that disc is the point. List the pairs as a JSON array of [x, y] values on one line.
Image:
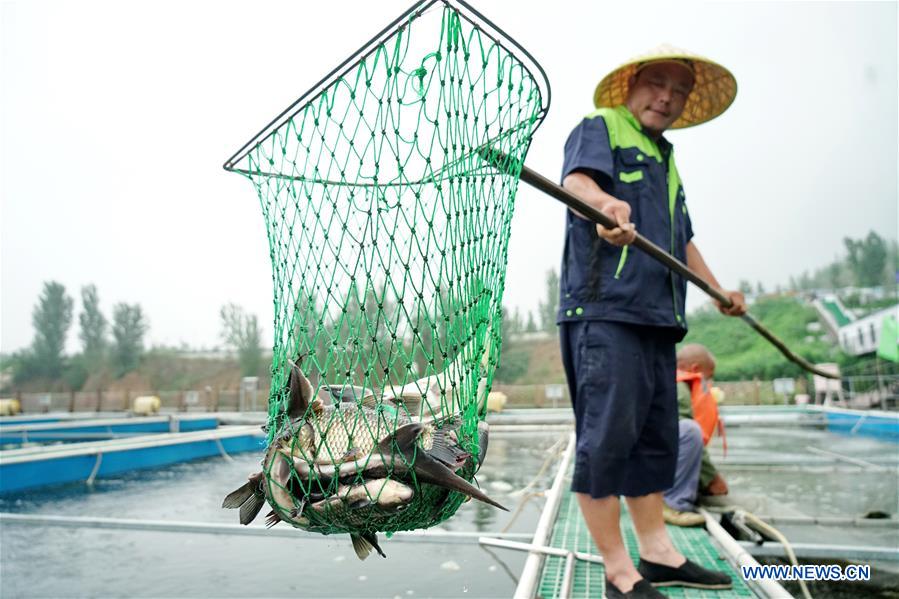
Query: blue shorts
[[623, 391]]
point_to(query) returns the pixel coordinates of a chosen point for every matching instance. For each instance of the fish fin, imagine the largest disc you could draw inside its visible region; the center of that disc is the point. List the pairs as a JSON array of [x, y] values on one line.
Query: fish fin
[[271, 519], [483, 439], [361, 546], [239, 496], [281, 470], [431, 471], [299, 392], [447, 451], [359, 503], [250, 509], [411, 401], [318, 407], [449, 422], [372, 539], [404, 436], [324, 396]]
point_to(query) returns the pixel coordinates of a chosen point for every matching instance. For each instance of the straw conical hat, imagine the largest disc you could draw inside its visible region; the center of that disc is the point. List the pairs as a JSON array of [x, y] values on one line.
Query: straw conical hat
[[713, 91]]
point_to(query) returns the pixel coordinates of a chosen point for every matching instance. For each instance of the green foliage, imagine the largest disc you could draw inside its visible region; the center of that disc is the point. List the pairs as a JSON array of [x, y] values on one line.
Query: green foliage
[[868, 259], [531, 326], [432, 333], [241, 331], [863, 308], [510, 324], [77, 372], [547, 309], [128, 330], [741, 353], [51, 319], [870, 262], [515, 357], [513, 364], [24, 366], [515, 324], [93, 328]]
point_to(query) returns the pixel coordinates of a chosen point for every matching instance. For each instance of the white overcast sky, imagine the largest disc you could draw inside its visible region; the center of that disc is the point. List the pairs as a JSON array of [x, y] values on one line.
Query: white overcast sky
[[116, 118]]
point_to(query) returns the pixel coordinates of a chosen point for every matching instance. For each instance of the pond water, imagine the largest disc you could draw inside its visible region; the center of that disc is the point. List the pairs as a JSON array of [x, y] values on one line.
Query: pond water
[[48, 561], [45, 561]]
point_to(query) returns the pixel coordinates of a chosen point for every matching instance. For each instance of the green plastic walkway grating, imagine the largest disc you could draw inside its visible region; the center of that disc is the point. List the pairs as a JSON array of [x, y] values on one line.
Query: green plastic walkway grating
[[570, 533]]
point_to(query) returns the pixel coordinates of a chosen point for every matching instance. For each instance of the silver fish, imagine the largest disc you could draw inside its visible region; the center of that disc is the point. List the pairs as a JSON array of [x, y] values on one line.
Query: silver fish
[[366, 454], [386, 493], [275, 489]]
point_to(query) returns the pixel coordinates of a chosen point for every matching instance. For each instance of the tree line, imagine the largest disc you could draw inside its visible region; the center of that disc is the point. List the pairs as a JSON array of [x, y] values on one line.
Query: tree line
[[871, 261], [112, 347], [515, 323], [516, 358]]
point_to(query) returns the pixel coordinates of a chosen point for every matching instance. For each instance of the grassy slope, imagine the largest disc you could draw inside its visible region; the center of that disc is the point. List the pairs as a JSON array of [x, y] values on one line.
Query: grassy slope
[[741, 352]]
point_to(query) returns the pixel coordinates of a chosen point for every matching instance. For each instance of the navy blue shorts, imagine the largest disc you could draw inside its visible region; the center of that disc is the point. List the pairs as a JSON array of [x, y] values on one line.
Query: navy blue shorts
[[623, 390]]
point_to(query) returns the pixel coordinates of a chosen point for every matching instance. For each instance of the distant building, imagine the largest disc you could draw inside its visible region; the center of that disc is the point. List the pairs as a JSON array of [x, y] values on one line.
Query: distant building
[[862, 336], [832, 313]]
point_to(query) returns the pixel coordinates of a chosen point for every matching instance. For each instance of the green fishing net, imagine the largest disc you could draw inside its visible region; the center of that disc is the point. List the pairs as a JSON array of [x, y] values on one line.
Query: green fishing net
[[388, 232]]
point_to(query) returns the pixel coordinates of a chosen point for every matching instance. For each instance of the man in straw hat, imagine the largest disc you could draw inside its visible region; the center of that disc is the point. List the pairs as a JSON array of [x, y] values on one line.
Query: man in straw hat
[[621, 312]]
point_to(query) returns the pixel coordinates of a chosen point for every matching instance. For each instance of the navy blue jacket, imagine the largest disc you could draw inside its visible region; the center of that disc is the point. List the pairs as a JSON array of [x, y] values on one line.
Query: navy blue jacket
[[600, 281]]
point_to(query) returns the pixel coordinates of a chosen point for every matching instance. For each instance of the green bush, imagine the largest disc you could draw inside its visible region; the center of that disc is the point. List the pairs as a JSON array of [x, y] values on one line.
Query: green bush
[[513, 364], [741, 353]]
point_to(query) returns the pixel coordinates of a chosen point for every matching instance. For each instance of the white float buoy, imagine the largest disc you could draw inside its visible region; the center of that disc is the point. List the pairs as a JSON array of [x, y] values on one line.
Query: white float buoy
[[146, 405]]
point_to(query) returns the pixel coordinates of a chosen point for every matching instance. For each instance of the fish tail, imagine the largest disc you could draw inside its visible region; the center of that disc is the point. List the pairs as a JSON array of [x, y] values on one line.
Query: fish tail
[[483, 439], [361, 546], [364, 543], [372, 539], [447, 451], [239, 496], [250, 508]]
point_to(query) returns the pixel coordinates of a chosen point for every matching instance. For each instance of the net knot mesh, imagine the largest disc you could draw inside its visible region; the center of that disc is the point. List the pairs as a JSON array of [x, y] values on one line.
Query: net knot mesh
[[388, 236]]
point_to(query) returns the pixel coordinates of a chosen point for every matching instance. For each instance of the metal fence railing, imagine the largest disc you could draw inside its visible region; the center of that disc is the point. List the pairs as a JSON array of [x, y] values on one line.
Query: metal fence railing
[[861, 391]]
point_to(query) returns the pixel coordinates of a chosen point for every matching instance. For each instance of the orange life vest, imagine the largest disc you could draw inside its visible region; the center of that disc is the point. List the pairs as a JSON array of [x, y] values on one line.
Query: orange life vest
[[705, 408]]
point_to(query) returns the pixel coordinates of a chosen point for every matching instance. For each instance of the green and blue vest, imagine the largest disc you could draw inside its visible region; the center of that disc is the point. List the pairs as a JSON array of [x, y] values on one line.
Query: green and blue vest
[[600, 281]]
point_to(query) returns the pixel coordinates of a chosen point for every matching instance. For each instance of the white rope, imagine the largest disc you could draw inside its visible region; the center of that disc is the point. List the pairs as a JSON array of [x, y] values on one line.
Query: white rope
[[222, 450], [846, 458], [858, 424], [740, 557], [832, 521], [770, 530], [90, 479], [554, 452]]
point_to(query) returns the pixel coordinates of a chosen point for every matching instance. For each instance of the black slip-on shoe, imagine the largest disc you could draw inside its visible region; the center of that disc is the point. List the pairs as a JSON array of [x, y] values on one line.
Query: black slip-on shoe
[[688, 574], [642, 590]]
